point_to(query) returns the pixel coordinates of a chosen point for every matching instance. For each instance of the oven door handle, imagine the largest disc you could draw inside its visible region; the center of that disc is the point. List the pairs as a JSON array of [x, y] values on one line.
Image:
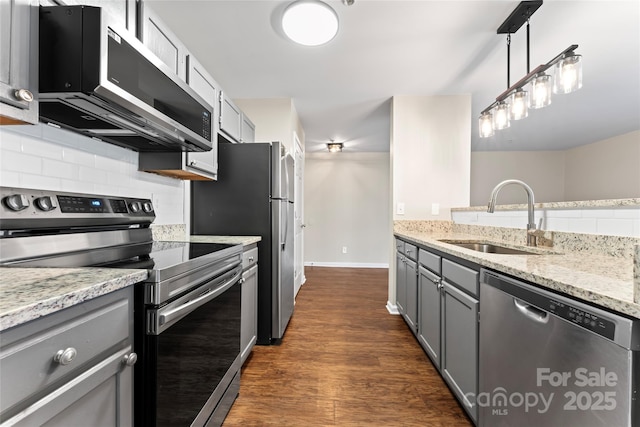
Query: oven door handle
[[169, 317]]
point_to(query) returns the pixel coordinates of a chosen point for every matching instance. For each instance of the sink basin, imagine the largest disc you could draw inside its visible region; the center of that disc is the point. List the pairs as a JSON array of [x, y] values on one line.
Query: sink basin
[[489, 248]]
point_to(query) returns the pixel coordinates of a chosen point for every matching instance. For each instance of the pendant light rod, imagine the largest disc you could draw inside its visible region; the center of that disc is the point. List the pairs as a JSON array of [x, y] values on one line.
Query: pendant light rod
[[528, 58], [526, 79], [509, 60]]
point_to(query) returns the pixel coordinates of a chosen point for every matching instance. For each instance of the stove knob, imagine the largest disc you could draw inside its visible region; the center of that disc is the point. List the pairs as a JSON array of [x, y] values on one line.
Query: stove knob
[[45, 203], [135, 207], [147, 207], [16, 202]]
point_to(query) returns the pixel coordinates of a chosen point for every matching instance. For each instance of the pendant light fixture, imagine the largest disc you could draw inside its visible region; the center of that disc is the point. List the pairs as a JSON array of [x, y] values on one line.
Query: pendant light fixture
[[514, 103], [310, 22]]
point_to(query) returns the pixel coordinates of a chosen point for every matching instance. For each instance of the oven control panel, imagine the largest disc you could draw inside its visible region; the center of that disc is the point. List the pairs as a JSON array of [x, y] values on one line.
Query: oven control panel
[[30, 208]]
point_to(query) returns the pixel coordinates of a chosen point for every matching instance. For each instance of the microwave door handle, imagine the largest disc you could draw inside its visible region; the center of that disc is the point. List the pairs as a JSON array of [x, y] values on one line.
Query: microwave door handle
[[169, 317]]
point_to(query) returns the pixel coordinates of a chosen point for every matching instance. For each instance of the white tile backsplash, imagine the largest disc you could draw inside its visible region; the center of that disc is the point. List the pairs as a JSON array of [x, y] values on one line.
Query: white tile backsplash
[[48, 158], [623, 221]]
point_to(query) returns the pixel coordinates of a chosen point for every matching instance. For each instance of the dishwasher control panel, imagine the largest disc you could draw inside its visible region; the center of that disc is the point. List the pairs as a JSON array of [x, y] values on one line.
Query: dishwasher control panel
[[586, 319]]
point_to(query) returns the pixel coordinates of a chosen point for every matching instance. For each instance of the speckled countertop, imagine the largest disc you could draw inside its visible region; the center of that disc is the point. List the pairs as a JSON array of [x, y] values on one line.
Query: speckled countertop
[[607, 203], [29, 293], [604, 280]]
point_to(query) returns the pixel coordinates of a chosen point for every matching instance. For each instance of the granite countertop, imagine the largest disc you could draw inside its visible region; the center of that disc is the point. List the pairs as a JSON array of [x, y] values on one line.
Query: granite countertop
[[29, 293], [603, 280], [235, 240]]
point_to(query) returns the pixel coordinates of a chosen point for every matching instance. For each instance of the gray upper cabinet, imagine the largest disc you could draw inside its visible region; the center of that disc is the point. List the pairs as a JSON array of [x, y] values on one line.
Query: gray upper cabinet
[[122, 12], [230, 118], [19, 64], [200, 80], [162, 41], [248, 130]]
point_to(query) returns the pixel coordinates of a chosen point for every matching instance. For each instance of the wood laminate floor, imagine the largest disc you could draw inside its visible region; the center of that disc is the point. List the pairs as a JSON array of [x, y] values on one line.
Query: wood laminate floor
[[344, 361]]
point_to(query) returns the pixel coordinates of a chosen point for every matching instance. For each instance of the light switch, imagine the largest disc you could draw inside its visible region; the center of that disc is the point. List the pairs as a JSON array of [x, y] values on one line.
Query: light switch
[[400, 208]]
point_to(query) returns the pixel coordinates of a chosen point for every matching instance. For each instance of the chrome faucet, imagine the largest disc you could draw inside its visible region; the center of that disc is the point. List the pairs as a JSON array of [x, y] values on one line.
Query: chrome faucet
[[532, 239]]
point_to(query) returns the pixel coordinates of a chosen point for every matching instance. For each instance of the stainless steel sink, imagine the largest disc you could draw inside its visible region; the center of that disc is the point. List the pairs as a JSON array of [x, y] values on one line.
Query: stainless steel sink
[[489, 248]]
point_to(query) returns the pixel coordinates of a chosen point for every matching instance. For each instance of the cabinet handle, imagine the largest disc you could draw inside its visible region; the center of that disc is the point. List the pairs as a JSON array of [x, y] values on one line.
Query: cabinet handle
[[23, 95], [250, 259], [192, 163], [130, 359], [64, 357]]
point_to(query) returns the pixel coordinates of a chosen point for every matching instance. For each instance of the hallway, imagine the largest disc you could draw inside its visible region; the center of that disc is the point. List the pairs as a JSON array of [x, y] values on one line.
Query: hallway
[[344, 361]]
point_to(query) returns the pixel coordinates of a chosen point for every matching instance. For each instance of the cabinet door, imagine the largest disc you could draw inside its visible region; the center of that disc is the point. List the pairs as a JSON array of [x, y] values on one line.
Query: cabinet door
[[459, 365], [205, 86], [249, 317], [19, 64], [122, 12], [429, 315], [411, 304], [248, 131], [162, 41], [401, 283], [101, 396], [230, 118]]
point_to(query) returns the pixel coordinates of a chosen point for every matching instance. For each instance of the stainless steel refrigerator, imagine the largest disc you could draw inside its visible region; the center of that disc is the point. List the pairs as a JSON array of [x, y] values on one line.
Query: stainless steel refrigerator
[[254, 196]]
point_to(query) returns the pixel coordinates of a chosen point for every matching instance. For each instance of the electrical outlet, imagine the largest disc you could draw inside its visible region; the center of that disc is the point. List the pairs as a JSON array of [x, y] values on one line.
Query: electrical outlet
[[400, 208], [344, 249], [435, 208]]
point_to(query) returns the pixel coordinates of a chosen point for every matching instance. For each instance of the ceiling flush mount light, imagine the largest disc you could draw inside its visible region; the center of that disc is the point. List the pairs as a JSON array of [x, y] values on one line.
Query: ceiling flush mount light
[[310, 22], [334, 147], [514, 103]]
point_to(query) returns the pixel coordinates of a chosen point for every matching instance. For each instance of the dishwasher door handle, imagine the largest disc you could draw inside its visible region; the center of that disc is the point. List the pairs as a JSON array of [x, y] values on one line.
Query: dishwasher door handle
[[531, 312]]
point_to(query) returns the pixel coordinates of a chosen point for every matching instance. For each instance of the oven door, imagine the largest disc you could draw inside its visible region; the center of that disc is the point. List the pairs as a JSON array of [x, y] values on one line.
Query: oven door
[[191, 353]]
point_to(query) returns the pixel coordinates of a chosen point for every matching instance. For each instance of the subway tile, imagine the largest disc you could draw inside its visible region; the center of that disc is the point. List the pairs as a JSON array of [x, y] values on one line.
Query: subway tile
[[632, 213], [59, 169], [77, 186], [556, 224], [40, 148], [79, 157], [562, 213], [9, 178], [10, 141], [615, 227], [582, 225], [597, 213], [19, 162], [92, 175], [39, 182], [31, 130]]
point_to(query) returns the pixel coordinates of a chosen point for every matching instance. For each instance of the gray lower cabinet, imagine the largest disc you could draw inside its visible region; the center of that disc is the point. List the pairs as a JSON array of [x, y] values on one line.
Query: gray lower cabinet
[[73, 367], [459, 364], [249, 310], [446, 316], [429, 317], [19, 64]]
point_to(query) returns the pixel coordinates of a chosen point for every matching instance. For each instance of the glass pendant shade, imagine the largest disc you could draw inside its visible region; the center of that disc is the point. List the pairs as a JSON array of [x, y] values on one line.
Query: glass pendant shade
[[540, 91], [485, 124], [310, 22], [501, 118], [519, 104], [568, 74]]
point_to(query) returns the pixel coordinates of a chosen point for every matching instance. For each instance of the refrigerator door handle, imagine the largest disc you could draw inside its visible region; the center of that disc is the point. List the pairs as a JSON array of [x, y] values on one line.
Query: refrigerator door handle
[[286, 208]]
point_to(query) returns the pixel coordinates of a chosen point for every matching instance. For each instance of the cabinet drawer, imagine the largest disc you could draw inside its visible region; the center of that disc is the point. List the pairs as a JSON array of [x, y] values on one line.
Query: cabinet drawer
[[429, 261], [249, 258], [461, 276], [91, 329], [411, 251], [400, 246]]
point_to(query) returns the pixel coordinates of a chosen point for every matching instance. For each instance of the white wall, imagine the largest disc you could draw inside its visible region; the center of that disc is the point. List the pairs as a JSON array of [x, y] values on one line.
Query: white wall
[[608, 169], [430, 160], [346, 204], [542, 170], [430, 143], [47, 158], [275, 119]]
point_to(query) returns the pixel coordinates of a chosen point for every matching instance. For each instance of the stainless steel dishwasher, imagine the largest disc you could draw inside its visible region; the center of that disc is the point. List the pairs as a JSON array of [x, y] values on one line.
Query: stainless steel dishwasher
[[549, 360]]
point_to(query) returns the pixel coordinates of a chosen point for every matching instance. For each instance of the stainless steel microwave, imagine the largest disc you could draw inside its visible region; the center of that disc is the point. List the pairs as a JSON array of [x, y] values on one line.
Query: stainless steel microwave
[[99, 80]]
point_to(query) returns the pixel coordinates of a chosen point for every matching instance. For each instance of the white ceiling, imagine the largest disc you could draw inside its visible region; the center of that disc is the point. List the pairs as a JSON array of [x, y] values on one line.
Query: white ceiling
[[342, 90]]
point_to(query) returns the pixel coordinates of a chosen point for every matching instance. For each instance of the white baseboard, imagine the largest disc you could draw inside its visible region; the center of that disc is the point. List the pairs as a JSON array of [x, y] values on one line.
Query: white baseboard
[[346, 264], [392, 308]]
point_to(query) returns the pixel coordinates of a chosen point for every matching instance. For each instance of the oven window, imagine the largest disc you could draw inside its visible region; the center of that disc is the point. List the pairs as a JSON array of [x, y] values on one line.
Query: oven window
[[191, 357]]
